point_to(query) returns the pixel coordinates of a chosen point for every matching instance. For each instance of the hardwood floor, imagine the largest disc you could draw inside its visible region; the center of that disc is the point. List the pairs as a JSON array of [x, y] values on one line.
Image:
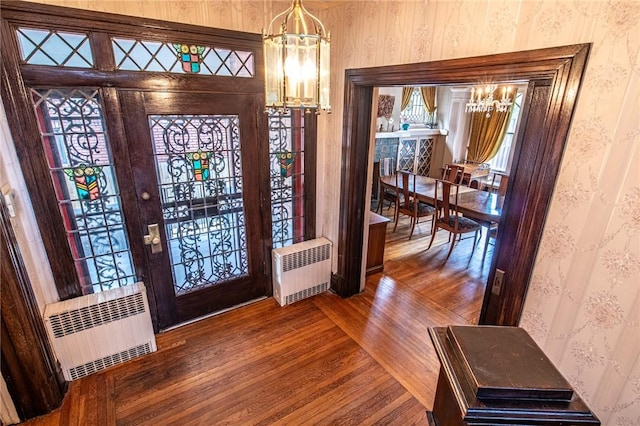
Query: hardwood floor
[[325, 360]]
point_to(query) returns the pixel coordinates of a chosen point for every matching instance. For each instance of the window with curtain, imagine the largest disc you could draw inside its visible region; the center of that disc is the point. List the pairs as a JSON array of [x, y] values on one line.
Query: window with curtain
[[500, 162], [415, 111]]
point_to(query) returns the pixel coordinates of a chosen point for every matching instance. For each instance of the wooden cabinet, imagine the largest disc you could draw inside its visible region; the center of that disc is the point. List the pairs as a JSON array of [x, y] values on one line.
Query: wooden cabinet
[[375, 249]]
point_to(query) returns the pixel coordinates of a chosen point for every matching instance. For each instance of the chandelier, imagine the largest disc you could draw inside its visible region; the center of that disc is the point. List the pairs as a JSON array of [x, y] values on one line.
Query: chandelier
[[296, 62], [483, 99]]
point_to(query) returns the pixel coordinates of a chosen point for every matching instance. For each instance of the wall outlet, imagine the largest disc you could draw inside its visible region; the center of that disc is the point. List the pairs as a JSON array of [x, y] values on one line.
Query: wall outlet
[[497, 282]]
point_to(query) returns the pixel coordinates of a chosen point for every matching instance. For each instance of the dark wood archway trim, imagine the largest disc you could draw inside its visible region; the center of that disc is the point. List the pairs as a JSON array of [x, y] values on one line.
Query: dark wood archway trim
[[559, 69]]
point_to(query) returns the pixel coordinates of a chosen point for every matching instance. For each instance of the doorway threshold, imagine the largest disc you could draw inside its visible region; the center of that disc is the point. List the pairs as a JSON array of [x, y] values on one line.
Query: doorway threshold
[[213, 314]]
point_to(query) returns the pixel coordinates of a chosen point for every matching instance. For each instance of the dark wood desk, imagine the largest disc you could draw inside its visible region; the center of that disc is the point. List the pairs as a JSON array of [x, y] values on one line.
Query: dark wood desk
[[480, 205]]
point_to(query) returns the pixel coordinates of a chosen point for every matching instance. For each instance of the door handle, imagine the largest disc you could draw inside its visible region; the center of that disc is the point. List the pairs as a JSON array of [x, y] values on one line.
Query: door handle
[[153, 238]]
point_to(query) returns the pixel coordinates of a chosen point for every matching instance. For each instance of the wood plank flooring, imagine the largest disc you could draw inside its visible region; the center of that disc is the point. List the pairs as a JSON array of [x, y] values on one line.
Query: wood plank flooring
[[364, 360]]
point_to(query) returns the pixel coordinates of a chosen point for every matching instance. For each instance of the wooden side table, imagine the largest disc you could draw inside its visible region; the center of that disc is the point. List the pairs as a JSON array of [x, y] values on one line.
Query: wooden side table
[[499, 376], [377, 237]]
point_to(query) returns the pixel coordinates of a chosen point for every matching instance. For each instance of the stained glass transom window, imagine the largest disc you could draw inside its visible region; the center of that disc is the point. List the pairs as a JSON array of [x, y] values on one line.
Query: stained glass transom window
[[75, 141], [286, 152], [54, 48], [145, 55], [200, 179]]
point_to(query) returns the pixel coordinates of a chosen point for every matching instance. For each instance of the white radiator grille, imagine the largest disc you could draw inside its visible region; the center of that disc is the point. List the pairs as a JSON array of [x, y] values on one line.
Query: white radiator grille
[[96, 331], [109, 361], [87, 317], [305, 257], [308, 292], [301, 270]]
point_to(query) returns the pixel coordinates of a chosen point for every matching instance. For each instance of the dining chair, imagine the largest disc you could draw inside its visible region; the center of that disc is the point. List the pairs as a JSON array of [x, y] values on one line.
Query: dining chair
[[386, 194], [408, 203], [492, 234], [448, 217], [453, 173], [492, 227], [503, 182]]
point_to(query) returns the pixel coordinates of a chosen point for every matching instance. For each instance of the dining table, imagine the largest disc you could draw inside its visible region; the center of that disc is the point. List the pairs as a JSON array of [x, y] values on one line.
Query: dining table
[[476, 204]]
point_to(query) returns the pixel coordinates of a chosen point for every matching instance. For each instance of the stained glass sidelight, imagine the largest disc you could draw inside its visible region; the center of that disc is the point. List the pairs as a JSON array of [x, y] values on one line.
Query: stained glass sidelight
[[86, 179], [200, 179], [286, 151], [286, 164], [78, 153], [146, 55], [54, 48]]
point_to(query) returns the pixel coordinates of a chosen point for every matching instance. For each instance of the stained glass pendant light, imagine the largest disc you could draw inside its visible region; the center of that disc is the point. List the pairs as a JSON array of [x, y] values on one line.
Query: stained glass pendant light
[[296, 62]]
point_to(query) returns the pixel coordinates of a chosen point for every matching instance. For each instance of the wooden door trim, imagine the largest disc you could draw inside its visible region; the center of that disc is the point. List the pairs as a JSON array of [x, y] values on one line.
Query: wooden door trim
[[29, 367], [562, 66]]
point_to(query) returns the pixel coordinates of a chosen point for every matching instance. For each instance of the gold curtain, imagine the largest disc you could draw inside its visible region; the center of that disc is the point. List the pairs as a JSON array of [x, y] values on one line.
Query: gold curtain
[[406, 97], [429, 98], [487, 133]]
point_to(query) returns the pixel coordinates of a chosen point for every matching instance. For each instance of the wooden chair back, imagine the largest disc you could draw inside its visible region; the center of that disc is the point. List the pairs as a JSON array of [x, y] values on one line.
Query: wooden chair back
[[448, 190], [405, 198], [453, 173], [504, 182], [502, 186], [384, 168]]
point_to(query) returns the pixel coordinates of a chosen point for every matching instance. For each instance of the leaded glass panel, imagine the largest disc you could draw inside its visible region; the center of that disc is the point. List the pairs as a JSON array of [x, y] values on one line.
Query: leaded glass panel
[[423, 160], [79, 158], [145, 55], [54, 48], [286, 153], [406, 154], [199, 173]]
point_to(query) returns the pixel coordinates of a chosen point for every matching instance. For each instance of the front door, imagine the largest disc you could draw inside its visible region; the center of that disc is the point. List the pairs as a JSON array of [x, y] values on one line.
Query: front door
[[196, 165]]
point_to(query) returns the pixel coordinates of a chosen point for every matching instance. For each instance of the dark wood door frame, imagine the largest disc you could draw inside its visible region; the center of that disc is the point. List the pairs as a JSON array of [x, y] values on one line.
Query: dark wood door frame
[[556, 75], [29, 367]]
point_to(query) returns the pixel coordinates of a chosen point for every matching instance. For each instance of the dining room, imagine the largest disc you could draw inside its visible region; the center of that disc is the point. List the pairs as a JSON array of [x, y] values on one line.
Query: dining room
[[428, 134]]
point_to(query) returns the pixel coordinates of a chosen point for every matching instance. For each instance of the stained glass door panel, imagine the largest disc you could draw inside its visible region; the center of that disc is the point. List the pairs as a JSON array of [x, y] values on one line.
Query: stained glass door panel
[[197, 170]]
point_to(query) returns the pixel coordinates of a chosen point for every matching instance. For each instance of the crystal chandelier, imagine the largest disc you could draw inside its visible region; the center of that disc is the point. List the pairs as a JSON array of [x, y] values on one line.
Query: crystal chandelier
[[296, 62], [483, 100]]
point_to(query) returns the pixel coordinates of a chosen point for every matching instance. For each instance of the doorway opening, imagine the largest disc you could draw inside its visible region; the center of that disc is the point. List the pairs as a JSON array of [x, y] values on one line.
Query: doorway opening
[[554, 76]]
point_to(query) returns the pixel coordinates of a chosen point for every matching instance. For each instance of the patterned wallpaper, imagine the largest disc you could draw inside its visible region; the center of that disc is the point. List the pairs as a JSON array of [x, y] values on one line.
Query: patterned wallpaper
[[583, 306]]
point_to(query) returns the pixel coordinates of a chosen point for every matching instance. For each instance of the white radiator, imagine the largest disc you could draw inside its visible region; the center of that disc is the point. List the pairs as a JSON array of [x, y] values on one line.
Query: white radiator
[[301, 270], [96, 331]]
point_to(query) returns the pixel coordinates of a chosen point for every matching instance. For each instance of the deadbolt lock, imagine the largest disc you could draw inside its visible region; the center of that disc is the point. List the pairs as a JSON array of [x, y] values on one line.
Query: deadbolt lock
[[153, 238]]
